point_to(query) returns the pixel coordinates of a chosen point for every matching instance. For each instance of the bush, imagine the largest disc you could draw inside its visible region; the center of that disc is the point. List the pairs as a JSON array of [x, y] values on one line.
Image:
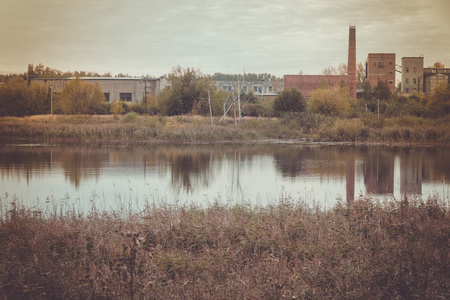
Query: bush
[[129, 118], [289, 101]]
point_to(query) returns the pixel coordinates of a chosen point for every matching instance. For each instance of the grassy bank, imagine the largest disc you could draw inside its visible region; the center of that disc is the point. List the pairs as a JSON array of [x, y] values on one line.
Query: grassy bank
[[375, 250], [199, 129]]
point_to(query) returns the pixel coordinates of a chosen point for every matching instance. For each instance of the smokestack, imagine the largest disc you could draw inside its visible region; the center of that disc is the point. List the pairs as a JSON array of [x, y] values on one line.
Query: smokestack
[[352, 61]]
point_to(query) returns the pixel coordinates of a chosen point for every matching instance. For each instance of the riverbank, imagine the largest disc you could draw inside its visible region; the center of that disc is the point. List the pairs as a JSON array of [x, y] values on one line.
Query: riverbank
[[371, 249], [152, 129]]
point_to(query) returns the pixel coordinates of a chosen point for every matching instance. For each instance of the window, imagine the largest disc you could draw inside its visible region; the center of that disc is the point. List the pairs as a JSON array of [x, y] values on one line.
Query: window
[[414, 90], [390, 82], [390, 72], [380, 64], [415, 81], [407, 69], [390, 62], [260, 89], [106, 96], [255, 88], [125, 97], [414, 70], [270, 88], [407, 80], [407, 90], [374, 63]]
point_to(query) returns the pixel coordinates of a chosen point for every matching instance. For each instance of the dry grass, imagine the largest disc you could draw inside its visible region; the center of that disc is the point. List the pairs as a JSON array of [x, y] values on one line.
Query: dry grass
[[376, 250]]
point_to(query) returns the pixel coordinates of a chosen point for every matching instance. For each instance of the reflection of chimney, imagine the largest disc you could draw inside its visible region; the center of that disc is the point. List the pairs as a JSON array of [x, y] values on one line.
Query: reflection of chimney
[[352, 61]]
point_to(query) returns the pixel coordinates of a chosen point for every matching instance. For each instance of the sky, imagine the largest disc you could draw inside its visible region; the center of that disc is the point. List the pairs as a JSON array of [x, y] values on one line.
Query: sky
[[149, 37]]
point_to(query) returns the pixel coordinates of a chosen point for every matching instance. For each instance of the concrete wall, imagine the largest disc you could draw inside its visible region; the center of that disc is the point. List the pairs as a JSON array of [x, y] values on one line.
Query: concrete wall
[[306, 84], [113, 86], [412, 75], [381, 67]]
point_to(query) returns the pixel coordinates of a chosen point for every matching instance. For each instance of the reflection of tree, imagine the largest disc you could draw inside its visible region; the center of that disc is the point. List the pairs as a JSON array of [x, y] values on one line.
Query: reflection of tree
[[323, 161], [15, 161], [80, 163], [411, 172], [379, 171], [288, 160], [190, 168]]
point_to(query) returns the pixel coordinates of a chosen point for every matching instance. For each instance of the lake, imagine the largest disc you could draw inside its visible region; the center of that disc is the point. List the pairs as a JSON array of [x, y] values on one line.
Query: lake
[[54, 177]]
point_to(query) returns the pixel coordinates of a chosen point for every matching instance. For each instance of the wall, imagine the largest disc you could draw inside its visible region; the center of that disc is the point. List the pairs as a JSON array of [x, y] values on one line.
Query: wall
[[412, 74], [306, 84], [113, 86], [381, 67]]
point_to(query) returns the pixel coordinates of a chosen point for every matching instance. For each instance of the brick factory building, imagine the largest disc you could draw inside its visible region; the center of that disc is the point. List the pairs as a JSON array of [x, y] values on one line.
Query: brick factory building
[[381, 67], [306, 84]]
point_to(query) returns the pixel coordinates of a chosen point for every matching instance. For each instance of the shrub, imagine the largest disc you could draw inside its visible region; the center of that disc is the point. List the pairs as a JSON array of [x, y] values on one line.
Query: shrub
[[289, 101], [129, 118], [349, 130]]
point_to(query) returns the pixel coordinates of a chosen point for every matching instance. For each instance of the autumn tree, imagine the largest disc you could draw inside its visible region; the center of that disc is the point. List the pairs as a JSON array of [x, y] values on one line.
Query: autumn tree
[[189, 94], [80, 97], [289, 101], [438, 103], [19, 99], [330, 101], [438, 65]]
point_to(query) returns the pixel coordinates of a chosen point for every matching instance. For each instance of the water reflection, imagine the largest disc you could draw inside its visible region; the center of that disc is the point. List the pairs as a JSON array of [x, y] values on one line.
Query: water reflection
[[246, 171]]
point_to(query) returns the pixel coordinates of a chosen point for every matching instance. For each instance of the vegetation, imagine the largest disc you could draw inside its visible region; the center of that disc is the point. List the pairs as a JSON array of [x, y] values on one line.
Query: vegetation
[[330, 101], [330, 114], [289, 101], [368, 249], [191, 92], [80, 97]]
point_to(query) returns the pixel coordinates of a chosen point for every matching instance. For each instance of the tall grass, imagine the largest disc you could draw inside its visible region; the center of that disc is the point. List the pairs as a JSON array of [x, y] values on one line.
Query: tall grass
[[134, 128], [369, 249]]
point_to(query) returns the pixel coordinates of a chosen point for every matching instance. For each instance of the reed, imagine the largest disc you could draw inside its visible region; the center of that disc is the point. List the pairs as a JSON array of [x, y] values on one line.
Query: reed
[[368, 249], [134, 128]]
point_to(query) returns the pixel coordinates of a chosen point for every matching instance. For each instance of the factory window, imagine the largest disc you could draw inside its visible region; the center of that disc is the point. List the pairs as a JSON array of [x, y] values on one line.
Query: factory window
[[125, 97], [106, 96]]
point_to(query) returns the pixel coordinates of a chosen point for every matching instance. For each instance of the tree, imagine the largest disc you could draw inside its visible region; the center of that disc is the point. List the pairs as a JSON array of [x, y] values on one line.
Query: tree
[[438, 65], [289, 101], [438, 103], [189, 93], [80, 97], [330, 101], [19, 99]]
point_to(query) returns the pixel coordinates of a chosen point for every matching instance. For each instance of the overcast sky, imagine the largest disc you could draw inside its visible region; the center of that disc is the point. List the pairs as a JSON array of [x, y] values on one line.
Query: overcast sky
[[141, 37]]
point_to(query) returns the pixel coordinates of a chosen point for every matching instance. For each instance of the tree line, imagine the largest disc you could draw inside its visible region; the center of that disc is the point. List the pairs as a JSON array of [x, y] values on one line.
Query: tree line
[[194, 93]]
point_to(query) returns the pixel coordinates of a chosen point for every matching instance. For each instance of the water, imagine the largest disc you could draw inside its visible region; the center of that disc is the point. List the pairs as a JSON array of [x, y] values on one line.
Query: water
[[80, 178]]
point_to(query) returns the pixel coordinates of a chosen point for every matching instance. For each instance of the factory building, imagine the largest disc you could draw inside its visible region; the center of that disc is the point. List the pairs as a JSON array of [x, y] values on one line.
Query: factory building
[[381, 67], [416, 78], [129, 89]]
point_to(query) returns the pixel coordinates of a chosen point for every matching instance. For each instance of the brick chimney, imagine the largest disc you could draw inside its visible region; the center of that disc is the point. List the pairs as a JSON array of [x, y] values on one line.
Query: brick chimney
[[352, 61]]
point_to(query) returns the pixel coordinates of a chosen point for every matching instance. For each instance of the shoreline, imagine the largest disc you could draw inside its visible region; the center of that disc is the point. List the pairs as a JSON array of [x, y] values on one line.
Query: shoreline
[[198, 130]]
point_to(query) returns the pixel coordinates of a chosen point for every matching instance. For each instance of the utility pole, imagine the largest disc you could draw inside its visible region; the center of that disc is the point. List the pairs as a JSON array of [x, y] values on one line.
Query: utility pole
[[51, 100], [210, 110]]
